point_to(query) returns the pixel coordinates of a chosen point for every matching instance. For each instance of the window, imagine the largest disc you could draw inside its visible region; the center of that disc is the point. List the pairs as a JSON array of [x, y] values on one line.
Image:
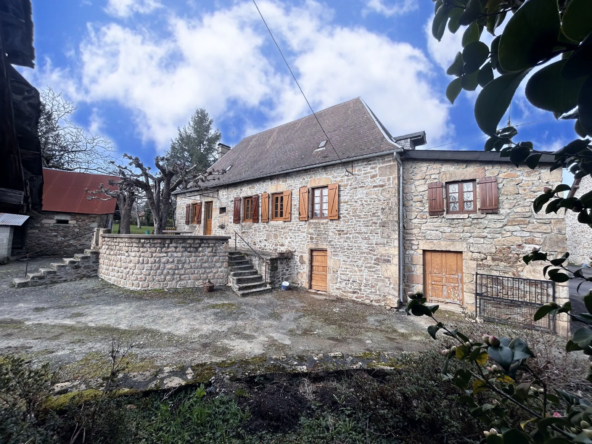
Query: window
[[248, 209], [222, 210], [194, 213], [277, 209], [461, 197], [62, 221], [320, 203]]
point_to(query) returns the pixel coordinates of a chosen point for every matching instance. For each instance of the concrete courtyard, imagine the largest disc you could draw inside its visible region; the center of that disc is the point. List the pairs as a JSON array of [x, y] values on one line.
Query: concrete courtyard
[[65, 323]]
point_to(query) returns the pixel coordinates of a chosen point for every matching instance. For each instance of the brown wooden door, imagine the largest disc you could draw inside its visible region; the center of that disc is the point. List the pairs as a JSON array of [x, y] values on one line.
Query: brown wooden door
[[443, 276], [208, 217], [318, 279]]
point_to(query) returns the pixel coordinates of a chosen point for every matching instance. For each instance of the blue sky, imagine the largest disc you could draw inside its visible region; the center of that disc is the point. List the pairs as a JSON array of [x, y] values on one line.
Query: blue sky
[[138, 69]]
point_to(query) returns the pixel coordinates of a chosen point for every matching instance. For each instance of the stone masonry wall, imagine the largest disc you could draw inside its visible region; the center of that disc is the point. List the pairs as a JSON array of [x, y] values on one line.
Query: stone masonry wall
[[156, 262], [361, 245], [56, 239], [579, 236], [490, 243]]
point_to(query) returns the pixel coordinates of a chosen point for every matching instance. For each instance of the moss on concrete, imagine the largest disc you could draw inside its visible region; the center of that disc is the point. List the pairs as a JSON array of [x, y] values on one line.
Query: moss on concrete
[[223, 306]]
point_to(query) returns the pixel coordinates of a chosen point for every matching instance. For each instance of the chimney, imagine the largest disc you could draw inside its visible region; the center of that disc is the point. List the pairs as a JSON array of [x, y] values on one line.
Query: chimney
[[222, 149]]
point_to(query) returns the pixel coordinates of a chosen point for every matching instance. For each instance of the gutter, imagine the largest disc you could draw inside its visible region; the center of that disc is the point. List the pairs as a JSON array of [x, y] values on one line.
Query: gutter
[[401, 232]]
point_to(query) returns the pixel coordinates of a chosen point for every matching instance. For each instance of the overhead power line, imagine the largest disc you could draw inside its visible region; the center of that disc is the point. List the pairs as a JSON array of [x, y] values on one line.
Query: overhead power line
[[300, 88]]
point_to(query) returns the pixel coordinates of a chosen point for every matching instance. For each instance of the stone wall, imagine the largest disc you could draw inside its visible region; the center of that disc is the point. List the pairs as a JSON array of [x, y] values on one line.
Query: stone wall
[[490, 243], [361, 245], [61, 234], [137, 261], [579, 236]]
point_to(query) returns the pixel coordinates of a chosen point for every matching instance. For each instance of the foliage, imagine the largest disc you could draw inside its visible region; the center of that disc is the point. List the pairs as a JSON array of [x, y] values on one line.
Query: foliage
[[499, 370], [196, 143], [66, 146]]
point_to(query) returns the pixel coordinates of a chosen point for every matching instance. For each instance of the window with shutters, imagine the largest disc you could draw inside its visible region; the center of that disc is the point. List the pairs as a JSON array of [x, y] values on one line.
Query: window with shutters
[[320, 203], [194, 213], [277, 206], [248, 209], [461, 197]]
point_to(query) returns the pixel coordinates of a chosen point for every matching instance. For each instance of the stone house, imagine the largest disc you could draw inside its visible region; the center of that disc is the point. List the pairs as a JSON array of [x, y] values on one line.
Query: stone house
[[66, 223], [338, 216]]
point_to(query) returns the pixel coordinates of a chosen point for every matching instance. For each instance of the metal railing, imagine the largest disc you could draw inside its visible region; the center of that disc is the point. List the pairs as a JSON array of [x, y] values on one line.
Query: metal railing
[[261, 258], [514, 301]]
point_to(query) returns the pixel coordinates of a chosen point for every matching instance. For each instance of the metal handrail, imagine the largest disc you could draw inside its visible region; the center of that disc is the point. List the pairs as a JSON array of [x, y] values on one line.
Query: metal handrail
[[252, 249]]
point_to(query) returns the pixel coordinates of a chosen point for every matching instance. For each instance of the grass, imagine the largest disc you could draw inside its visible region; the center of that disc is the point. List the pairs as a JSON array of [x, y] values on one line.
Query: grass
[[134, 229]]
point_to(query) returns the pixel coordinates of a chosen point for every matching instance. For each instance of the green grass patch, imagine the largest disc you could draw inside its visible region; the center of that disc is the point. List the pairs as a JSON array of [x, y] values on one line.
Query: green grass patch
[[134, 229]]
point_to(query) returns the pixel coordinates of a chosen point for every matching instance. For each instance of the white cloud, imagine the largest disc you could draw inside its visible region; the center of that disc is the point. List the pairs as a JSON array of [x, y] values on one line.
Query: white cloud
[[125, 8], [391, 9], [225, 62]]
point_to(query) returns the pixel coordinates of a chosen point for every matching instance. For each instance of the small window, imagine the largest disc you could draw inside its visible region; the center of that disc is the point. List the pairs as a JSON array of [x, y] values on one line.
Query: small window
[[194, 213], [277, 210], [320, 203], [222, 210], [62, 221], [461, 197], [248, 209]]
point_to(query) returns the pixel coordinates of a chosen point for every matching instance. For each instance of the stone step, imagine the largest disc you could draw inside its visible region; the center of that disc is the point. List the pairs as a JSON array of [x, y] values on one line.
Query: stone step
[[254, 292], [58, 266], [251, 286], [20, 282], [35, 276], [246, 273], [47, 271], [246, 267], [235, 253], [82, 257], [70, 261], [236, 262], [247, 280]]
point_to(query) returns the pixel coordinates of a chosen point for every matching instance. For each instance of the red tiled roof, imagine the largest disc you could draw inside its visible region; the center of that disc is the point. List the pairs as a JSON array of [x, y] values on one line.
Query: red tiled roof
[[65, 192]]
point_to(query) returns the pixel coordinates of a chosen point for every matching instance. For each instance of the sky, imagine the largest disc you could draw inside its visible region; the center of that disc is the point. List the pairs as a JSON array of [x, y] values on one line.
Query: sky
[[138, 69]]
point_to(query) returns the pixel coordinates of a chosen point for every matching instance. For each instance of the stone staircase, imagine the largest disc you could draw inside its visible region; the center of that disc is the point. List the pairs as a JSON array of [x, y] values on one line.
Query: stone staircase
[[244, 278], [70, 269]]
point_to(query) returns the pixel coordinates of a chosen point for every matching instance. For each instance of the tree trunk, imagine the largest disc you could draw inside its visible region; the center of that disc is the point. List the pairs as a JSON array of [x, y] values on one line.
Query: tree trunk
[[125, 211], [138, 215]]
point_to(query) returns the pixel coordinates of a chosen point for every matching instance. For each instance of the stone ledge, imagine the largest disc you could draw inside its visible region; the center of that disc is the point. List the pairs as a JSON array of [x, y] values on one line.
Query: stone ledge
[[162, 236]]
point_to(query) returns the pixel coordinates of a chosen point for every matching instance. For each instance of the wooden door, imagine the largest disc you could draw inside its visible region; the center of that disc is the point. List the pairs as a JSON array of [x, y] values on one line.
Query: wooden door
[[318, 279], [208, 217], [443, 276]]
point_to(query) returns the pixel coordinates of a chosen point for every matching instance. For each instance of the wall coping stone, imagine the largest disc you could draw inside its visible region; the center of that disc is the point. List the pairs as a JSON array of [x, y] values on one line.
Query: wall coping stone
[[164, 236]]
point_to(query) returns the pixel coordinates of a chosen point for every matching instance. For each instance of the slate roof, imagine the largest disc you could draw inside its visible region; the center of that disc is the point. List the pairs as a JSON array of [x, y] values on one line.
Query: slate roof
[[12, 220], [65, 192], [473, 156], [351, 126]]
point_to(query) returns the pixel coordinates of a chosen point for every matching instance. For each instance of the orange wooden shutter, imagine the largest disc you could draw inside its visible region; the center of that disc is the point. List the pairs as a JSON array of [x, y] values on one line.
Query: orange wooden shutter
[[488, 195], [265, 207], [333, 201], [198, 213], [256, 208], [287, 206], [187, 214], [303, 203], [436, 199], [236, 217]]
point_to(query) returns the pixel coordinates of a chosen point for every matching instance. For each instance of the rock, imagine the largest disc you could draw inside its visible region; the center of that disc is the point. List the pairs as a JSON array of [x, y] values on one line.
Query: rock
[[172, 382]]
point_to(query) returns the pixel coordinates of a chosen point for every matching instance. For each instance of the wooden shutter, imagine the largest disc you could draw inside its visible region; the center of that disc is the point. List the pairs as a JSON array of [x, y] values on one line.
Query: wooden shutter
[[187, 214], [333, 201], [488, 195], [265, 207], [198, 207], [436, 199], [287, 206], [236, 217], [303, 203], [256, 208]]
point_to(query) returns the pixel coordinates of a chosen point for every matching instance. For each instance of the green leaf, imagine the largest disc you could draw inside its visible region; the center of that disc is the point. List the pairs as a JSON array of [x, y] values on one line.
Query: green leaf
[[454, 15], [462, 378], [577, 20], [588, 302], [586, 199], [522, 389], [554, 206], [479, 386], [561, 187], [432, 330], [485, 74], [579, 63], [474, 55], [519, 154], [579, 129], [495, 439], [530, 35], [493, 101], [472, 34], [456, 69], [470, 82], [585, 106], [557, 276], [420, 310], [549, 90], [462, 351], [542, 312], [515, 436], [471, 13], [503, 355], [583, 337], [454, 89], [440, 20], [572, 346], [533, 161]]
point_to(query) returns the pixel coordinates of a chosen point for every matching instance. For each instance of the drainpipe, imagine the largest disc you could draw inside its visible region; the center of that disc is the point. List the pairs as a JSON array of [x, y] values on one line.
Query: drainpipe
[[401, 237]]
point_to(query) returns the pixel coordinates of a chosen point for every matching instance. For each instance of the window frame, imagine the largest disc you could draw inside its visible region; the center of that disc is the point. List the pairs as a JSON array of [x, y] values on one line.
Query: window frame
[[314, 200], [222, 210], [461, 202], [193, 219], [280, 216], [248, 199]]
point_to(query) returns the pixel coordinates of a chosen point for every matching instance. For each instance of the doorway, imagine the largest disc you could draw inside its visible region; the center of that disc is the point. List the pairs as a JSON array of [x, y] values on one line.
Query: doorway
[[208, 216], [443, 276], [318, 280]]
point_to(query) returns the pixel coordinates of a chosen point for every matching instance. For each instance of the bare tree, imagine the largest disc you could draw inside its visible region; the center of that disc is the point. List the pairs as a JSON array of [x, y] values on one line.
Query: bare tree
[[158, 188], [66, 146], [126, 194]]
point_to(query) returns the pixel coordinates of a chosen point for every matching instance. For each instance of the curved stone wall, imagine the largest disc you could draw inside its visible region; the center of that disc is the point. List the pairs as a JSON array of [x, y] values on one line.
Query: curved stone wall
[[140, 262]]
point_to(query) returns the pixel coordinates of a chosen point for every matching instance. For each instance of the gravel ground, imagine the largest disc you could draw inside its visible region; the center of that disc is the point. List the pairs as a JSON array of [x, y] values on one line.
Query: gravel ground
[[68, 322]]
